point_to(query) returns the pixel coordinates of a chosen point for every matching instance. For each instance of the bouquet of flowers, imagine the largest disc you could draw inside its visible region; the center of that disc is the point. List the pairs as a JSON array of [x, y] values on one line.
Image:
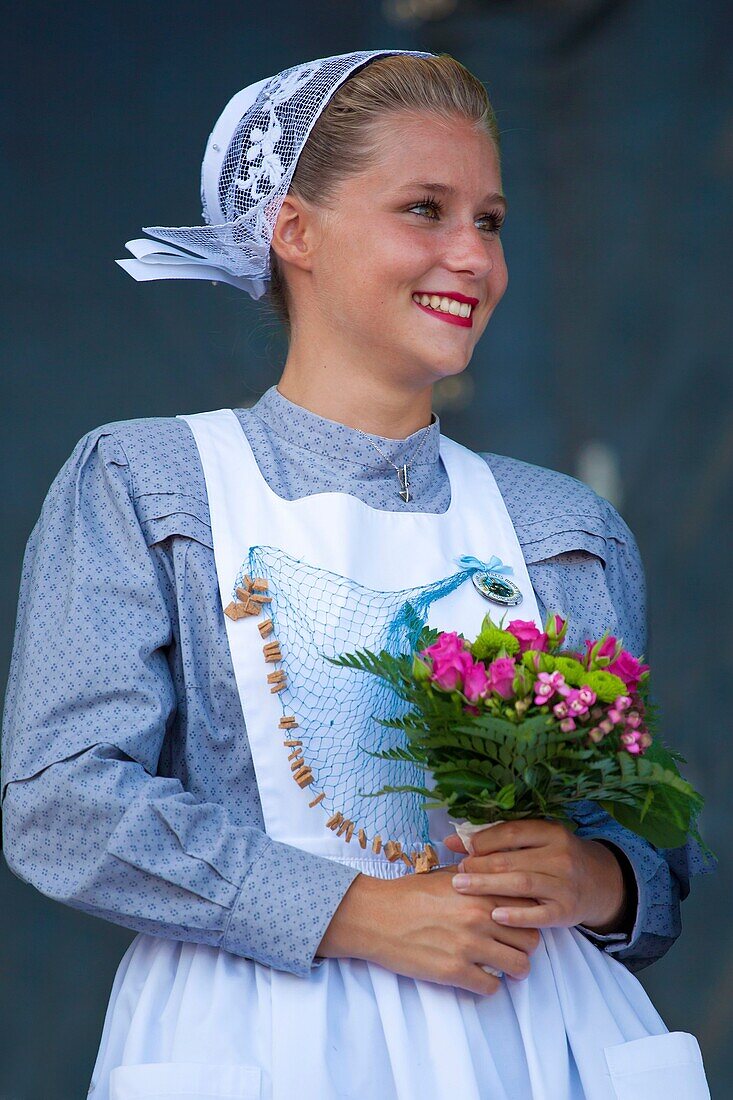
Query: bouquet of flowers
[[512, 725]]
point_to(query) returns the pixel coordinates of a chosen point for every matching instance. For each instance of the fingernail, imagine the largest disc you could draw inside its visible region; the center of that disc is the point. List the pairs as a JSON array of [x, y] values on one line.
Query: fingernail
[[461, 881], [500, 915]]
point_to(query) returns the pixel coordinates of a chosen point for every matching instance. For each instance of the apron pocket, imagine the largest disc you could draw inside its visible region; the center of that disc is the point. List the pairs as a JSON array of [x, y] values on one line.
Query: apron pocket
[[658, 1067], [184, 1081]]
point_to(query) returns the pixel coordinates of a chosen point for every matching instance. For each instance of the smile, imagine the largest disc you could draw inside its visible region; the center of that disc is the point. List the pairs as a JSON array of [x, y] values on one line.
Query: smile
[[447, 308]]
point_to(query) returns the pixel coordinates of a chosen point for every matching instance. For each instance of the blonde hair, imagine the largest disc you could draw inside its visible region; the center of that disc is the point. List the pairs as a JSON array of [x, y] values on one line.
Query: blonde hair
[[339, 144]]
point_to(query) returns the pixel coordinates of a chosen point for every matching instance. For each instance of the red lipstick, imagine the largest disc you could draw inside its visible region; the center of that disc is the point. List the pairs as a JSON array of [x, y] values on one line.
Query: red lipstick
[[464, 322]]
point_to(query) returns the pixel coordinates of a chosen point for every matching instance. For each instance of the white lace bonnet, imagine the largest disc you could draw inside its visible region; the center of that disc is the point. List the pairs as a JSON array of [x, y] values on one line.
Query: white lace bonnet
[[249, 162]]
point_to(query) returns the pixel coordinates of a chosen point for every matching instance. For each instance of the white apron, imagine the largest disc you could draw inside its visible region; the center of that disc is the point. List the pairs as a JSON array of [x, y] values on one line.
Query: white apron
[[190, 1020]]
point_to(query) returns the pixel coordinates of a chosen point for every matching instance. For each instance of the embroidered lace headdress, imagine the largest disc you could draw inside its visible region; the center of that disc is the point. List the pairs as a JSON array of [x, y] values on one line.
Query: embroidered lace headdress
[[250, 158]]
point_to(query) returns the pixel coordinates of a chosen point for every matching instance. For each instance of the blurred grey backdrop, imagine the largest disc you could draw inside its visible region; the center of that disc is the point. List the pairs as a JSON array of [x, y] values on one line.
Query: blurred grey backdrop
[[609, 356]]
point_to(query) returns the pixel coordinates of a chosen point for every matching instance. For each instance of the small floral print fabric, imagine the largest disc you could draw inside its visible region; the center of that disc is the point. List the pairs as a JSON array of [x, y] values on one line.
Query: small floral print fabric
[[127, 780]]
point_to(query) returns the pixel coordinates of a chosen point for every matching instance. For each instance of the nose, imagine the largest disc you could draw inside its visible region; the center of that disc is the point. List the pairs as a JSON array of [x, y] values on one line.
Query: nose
[[470, 252]]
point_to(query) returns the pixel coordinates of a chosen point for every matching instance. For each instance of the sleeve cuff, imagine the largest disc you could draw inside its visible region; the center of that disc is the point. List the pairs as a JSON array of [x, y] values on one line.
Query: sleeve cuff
[[284, 907]]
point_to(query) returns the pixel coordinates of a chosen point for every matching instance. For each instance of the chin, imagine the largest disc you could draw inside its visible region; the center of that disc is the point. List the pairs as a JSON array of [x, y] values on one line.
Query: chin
[[444, 368]]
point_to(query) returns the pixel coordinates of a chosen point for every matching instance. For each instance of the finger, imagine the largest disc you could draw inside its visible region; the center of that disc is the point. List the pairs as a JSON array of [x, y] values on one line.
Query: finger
[[454, 842], [520, 859], [523, 939], [509, 959], [480, 981], [534, 916], [504, 901], [531, 832], [527, 884]]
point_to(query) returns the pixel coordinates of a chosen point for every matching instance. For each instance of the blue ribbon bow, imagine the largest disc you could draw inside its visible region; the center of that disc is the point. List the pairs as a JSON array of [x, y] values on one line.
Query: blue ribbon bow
[[467, 561]]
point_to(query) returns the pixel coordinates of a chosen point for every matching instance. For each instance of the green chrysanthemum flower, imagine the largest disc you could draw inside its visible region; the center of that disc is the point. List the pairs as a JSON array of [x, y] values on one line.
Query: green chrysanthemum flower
[[605, 684], [572, 670], [536, 660], [491, 641]]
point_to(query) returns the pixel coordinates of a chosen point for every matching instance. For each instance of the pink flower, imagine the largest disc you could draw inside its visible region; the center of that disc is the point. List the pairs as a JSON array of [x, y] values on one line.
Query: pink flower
[[622, 702], [475, 682], [560, 710], [628, 668], [453, 667], [471, 709], [630, 741], [575, 703], [587, 696], [501, 676], [449, 669], [527, 634], [556, 629], [567, 725], [606, 650], [632, 719], [546, 684], [450, 660], [449, 642]]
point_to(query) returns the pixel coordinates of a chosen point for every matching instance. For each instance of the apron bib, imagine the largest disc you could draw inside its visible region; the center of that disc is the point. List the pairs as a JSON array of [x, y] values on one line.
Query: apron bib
[[353, 1028]]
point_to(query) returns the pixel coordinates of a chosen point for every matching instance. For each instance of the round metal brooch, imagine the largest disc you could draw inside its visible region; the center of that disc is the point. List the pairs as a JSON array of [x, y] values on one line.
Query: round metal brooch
[[497, 588]]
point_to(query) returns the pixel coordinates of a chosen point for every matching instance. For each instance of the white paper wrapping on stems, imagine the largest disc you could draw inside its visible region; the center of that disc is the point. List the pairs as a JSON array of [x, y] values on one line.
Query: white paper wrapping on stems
[[466, 832]]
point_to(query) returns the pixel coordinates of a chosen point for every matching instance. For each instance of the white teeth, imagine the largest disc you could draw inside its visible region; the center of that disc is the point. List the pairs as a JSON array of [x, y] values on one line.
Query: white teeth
[[444, 304]]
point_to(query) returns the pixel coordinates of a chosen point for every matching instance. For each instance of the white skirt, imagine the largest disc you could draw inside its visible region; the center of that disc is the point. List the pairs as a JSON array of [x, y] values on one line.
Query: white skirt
[[191, 1021]]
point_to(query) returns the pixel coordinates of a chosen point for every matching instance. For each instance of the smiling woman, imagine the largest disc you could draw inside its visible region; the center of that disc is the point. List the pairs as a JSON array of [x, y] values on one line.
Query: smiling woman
[[176, 767], [396, 202]]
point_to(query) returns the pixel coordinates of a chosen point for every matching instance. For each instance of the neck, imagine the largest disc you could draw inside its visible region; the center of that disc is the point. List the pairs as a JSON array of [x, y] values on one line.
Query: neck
[[359, 400]]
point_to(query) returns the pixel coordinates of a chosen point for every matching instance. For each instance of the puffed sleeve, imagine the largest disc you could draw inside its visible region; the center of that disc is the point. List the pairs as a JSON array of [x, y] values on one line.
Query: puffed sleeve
[[602, 585], [90, 702]]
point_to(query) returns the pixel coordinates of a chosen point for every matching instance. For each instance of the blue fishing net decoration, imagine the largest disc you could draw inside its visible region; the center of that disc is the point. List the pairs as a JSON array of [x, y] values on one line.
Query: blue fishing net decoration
[[318, 614]]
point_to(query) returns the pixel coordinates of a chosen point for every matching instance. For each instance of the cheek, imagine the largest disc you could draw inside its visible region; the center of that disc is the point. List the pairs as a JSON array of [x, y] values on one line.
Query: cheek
[[499, 274], [373, 267], [379, 275]]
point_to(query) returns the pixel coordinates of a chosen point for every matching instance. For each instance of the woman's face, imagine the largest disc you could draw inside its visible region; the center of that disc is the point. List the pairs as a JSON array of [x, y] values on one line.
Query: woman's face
[[423, 220]]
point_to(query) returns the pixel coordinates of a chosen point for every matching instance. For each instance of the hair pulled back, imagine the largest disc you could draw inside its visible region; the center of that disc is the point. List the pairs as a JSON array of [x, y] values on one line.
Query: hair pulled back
[[339, 144]]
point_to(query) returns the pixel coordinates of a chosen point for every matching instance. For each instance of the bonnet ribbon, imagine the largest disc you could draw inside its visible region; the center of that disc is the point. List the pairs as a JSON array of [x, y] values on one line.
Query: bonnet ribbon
[[154, 260]]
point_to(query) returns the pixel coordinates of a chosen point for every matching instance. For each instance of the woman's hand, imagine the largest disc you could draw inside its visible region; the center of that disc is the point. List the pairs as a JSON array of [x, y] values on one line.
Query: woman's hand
[[573, 880], [418, 925]]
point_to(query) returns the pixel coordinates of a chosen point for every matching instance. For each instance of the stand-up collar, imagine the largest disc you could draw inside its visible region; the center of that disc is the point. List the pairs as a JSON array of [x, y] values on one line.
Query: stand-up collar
[[339, 442]]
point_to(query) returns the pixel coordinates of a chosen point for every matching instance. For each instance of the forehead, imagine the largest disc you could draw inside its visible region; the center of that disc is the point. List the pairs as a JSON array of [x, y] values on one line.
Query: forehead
[[410, 147]]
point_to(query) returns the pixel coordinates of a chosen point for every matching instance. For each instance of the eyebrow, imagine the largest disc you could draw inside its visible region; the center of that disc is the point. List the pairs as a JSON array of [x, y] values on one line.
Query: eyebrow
[[446, 189]]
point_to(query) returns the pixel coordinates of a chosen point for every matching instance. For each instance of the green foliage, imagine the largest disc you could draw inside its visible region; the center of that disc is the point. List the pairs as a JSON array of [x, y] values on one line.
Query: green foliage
[[503, 764]]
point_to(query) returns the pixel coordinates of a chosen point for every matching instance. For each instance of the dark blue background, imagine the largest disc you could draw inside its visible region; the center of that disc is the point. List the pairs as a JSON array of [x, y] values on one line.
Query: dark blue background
[[613, 340]]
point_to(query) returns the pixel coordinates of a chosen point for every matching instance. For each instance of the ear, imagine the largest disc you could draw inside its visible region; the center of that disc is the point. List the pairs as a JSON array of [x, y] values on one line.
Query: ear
[[295, 233]]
